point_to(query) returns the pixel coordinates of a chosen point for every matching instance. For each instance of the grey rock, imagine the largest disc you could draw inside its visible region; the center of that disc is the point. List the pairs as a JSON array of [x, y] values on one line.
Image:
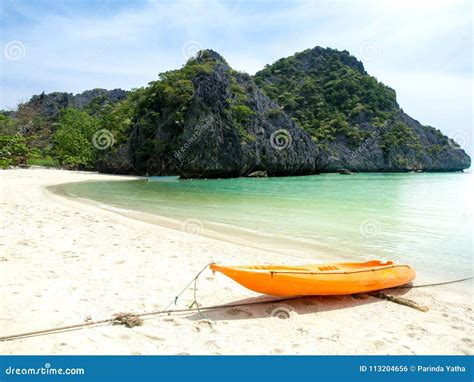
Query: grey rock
[[370, 157], [211, 146], [257, 174], [51, 104]]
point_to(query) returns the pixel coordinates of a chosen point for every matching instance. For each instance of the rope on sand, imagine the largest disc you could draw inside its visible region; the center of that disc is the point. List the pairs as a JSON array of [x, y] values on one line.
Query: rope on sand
[[400, 301], [130, 320]]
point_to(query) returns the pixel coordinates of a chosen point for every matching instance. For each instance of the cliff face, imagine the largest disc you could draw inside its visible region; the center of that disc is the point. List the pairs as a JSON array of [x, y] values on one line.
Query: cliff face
[[49, 105], [354, 120], [316, 111], [216, 124], [402, 144]]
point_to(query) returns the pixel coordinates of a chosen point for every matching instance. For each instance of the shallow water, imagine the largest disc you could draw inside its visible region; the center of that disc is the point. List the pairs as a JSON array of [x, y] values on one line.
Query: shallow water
[[423, 219]]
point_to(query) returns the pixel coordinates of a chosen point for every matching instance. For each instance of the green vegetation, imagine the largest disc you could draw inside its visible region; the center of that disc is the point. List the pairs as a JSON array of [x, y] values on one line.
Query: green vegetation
[[435, 150], [238, 111], [275, 113], [44, 162], [327, 92], [241, 113], [73, 139], [239, 93], [35, 126], [166, 102], [13, 150], [7, 124], [399, 136], [68, 139], [118, 118]]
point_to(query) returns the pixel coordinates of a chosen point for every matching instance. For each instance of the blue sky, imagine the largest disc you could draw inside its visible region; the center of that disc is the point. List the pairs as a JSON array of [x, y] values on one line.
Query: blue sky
[[421, 49]]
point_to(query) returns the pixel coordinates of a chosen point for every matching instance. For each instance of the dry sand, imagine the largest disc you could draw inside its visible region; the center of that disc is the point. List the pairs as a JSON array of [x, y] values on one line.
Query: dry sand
[[63, 261]]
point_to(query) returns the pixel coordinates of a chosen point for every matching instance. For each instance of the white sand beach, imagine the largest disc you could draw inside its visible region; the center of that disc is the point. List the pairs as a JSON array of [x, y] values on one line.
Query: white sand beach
[[63, 262]]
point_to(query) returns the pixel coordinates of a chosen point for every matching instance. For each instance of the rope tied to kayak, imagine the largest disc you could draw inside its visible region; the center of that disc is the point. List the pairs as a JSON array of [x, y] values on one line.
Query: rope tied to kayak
[[194, 303], [130, 319]]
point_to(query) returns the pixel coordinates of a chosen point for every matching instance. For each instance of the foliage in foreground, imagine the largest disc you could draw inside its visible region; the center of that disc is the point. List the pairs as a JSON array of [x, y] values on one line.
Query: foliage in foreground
[[13, 150], [73, 139]]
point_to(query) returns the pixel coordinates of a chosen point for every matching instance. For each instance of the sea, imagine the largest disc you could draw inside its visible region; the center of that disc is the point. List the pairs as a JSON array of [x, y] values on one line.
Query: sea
[[420, 219]]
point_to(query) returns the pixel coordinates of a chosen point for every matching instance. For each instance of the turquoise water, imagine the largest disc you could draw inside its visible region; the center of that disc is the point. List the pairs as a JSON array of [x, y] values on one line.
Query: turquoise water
[[424, 219]]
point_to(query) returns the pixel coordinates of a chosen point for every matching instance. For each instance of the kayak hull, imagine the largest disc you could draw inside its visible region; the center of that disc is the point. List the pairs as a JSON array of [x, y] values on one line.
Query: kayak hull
[[319, 279]]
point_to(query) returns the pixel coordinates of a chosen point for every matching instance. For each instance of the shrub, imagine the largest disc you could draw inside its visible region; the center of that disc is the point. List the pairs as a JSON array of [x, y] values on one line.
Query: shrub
[[400, 135], [73, 139], [241, 113], [13, 150]]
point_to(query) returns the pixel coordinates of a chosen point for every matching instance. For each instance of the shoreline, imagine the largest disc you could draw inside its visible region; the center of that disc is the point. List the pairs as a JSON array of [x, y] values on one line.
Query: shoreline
[[294, 250], [217, 231], [64, 260]]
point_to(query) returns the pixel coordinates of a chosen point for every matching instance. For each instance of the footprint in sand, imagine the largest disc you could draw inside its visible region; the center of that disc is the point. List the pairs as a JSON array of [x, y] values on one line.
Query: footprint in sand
[[205, 323], [212, 344], [409, 349], [379, 344], [171, 320], [154, 338], [416, 328]]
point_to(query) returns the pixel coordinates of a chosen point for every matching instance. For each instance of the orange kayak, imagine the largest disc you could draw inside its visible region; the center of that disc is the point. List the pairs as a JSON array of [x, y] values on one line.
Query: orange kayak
[[319, 279]]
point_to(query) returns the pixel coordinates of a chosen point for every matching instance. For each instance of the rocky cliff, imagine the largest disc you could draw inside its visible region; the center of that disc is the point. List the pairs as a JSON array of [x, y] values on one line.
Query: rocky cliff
[[354, 120], [214, 122], [316, 111], [51, 104]]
